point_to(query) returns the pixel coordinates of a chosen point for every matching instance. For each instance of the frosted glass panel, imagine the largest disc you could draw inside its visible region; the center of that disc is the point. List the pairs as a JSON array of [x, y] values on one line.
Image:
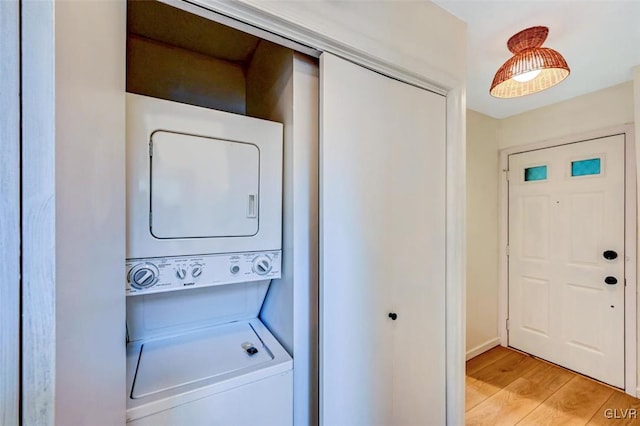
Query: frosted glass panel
[[585, 167], [535, 173]]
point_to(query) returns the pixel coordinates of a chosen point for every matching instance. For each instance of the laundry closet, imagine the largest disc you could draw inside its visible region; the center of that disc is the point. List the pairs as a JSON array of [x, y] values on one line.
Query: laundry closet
[[211, 293], [241, 212]]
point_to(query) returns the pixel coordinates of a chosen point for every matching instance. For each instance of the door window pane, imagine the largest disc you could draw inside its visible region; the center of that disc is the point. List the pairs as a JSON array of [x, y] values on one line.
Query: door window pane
[[585, 167], [535, 173]]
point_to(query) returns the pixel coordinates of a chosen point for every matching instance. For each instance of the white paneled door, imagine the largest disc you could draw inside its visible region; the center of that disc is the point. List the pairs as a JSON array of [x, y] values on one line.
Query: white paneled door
[[566, 256], [382, 262]]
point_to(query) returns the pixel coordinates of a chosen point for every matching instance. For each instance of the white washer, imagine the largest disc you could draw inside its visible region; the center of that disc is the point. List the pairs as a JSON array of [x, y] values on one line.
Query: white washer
[[202, 357], [227, 375]]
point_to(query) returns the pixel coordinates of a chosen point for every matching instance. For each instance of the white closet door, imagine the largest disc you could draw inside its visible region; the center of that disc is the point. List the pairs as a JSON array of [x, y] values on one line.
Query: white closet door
[[382, 222]]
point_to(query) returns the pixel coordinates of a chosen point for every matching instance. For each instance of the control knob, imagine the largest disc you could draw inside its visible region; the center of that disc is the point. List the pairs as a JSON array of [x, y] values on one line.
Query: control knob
[[262, 265], [143, 275], [196, 271], [181, 273]]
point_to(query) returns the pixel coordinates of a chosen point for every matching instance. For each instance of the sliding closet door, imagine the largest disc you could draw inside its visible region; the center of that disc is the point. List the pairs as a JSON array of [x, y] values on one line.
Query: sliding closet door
[[9, 213], [382, 264]]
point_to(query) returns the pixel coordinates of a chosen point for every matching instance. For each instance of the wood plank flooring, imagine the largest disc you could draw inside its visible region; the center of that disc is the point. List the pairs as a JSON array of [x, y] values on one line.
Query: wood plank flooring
[[506, 387]]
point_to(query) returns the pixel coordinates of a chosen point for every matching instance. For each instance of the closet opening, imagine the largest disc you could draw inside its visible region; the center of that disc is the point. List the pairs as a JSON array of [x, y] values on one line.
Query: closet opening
[[225, 348]]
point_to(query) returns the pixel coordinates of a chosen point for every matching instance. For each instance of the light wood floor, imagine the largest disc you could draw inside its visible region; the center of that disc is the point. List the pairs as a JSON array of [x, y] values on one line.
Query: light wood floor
[[506, 387]]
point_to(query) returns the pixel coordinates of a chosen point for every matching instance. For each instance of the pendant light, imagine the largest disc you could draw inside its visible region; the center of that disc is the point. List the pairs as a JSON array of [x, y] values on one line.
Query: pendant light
[[532, 68]]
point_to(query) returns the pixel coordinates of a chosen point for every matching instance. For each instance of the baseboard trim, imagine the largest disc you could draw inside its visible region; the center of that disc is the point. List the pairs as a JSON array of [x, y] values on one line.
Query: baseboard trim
[[491, 343]]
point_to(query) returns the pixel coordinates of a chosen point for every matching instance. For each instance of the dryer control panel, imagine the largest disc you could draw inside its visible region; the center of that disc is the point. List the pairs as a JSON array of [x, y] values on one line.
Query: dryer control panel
[[154, 275]]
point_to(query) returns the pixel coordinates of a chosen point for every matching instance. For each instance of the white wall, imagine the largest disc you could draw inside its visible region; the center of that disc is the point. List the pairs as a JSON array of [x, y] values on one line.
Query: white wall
[[482, 233], [90, 212], [485, 137], [418, 36], [73, 218], [597, 110]]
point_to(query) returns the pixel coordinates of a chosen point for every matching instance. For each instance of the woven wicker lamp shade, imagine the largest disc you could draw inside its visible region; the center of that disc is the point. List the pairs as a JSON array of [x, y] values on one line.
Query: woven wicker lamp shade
[[531, 69]]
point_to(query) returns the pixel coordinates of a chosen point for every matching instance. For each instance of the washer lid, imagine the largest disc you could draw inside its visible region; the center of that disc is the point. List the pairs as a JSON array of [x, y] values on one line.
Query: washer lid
[[181, 360]]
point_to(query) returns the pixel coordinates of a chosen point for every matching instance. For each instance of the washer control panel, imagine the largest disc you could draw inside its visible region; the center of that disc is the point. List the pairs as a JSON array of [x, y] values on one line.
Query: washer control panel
[[145, 276]]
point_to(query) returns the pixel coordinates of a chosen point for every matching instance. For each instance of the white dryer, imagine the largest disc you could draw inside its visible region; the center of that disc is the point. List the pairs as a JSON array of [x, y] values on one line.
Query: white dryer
[[204, 196], [200, 181]]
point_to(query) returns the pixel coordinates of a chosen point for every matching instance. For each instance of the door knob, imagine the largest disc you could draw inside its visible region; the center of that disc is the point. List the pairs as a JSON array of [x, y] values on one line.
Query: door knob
[[393, 316], [611, 280], [610, 255]]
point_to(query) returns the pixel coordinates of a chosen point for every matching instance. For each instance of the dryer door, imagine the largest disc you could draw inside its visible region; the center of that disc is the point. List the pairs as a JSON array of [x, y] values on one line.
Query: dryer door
[[203, 187], [200, 181]]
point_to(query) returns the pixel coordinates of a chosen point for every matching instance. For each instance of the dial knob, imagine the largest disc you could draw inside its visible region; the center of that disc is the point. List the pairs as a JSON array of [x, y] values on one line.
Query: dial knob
[[234, 269], [196, 271], [262, 265], [143, 275], [181, 273]]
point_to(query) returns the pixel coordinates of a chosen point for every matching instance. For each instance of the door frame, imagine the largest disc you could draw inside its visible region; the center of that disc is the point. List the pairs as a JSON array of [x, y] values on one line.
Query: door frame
[[10, 268], [630, 308]]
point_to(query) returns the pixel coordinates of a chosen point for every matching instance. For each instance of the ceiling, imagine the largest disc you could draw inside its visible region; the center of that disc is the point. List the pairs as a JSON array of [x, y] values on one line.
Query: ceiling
[[599, 39]]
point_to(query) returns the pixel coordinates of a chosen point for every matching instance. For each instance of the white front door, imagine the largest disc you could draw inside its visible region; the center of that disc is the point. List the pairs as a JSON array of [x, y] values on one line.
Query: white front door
[[566, 256]]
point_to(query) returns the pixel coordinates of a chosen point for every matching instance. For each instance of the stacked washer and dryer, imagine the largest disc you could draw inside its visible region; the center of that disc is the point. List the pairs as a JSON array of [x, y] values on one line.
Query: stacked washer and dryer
[[204, 221]]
